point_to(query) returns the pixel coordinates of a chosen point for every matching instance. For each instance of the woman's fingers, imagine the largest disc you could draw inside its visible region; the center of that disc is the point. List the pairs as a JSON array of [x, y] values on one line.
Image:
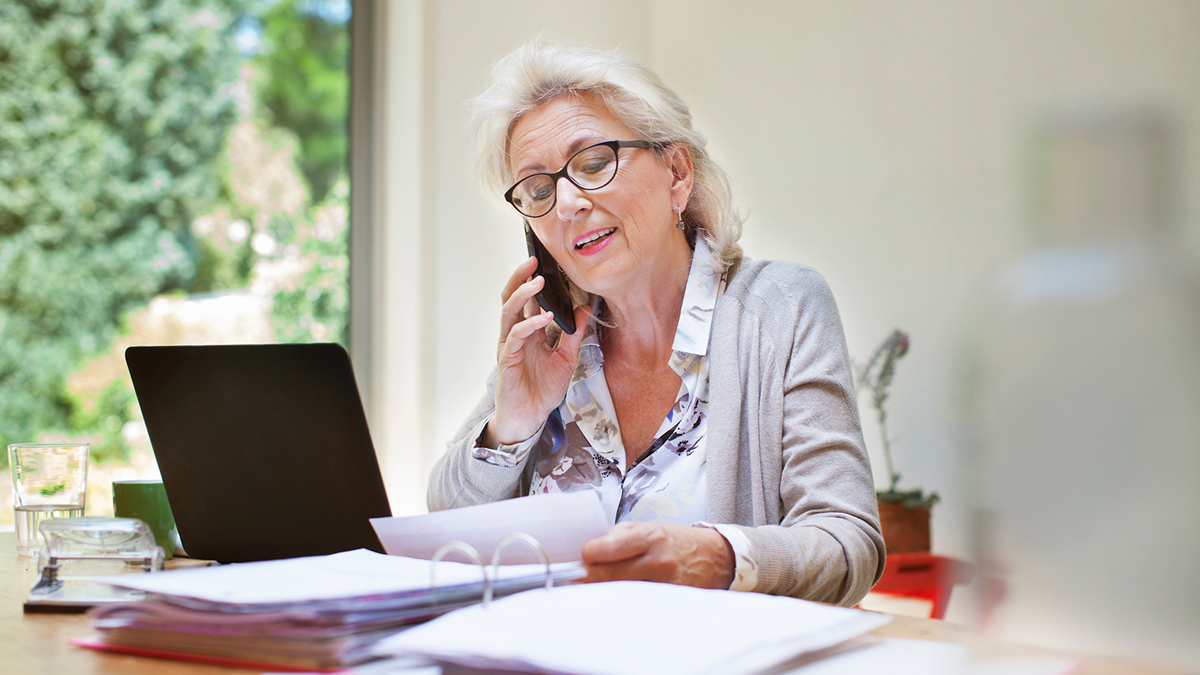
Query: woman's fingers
[[511, 310], [521, 388], [526, 327], [531, 306], [514, 309], [619, 555], [514, 341], [624, 570], [625, 541], [660, 552]]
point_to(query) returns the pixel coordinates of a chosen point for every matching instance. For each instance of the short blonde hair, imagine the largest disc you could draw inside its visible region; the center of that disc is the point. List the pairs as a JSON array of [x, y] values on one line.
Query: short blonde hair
[[540, 71]]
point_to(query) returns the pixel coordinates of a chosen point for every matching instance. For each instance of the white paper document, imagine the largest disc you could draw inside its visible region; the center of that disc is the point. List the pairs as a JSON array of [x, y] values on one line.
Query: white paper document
[[899, 656], [309, 581], [561, 522], [632, 628], [892, 656]]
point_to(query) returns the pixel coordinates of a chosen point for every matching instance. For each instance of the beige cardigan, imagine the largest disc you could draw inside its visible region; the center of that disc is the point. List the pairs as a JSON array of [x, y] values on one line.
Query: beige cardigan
[[785, 453]]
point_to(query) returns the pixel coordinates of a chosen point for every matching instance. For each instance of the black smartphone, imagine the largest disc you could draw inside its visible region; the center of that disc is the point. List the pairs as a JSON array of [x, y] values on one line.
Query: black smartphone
[[555, 295]]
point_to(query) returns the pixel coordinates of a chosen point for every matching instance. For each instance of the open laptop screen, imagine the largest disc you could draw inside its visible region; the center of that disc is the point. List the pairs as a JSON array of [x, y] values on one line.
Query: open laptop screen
[[263, 449]]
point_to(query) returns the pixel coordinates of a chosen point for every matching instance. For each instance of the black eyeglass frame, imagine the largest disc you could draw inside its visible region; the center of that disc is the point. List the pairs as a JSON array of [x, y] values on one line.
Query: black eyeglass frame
[[562, 173]]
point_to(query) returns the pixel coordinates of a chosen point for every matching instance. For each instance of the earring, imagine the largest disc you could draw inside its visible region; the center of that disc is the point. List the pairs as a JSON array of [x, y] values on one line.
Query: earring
[[680, 225]]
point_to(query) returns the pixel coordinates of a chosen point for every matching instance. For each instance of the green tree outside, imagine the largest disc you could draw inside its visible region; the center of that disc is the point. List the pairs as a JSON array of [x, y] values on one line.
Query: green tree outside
[[111, 117], [305, 51], [318, 310], [122, 169]]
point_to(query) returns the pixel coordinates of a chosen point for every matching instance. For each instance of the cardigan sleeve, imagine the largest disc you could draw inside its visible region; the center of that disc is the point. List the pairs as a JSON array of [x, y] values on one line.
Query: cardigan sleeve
[[462, 478], [818, 536]]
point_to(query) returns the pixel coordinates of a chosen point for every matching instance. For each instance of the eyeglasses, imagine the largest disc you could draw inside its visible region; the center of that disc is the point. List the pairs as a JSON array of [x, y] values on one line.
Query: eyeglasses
[[589, 169]]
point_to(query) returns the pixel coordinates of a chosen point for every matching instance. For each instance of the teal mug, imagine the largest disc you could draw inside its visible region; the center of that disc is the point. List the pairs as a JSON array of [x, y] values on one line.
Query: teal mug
[[147, 500]]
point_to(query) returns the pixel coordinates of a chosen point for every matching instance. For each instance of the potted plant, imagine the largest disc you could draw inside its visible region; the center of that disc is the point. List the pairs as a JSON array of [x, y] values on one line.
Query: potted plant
[[903, 514]]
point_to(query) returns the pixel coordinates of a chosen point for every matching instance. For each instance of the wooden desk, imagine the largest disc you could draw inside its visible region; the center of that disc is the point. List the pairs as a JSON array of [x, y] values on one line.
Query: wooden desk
[[36, 644]]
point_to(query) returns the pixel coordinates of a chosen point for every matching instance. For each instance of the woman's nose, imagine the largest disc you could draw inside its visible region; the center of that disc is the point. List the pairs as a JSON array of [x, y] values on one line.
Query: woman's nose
[[571, 202]]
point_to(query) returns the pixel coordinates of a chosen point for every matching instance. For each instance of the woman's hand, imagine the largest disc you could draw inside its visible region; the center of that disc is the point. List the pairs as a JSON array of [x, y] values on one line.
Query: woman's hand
[[531, 377], [676, 554]]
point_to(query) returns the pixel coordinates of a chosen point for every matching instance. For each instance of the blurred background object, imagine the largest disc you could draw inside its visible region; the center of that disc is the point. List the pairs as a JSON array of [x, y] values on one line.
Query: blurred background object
[[1088, 388]]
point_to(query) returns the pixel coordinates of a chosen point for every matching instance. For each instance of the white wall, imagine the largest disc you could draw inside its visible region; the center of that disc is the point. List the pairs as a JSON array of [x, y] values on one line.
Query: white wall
[[886, 144]]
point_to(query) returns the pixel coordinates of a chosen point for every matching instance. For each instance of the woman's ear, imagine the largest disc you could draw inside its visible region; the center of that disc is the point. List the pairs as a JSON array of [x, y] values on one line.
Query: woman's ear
[[679, 160]]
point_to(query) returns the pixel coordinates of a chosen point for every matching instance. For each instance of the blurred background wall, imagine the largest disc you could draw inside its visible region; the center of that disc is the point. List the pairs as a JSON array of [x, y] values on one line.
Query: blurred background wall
[[1013, 183]]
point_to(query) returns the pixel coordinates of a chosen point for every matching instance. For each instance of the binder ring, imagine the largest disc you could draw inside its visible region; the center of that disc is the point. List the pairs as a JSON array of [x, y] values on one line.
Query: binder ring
[[528, 541], [467, 550]]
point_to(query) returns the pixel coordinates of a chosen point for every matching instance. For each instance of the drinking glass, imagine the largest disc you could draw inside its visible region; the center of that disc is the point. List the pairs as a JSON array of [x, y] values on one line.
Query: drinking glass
[[49, 481]]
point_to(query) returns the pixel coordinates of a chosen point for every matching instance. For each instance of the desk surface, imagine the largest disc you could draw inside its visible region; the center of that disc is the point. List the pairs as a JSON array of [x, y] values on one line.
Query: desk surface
[[36, 644]]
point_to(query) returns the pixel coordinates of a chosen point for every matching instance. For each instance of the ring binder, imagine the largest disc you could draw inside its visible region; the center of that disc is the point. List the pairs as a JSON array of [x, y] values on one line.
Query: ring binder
[[467, 550], [528, 541], [473, 554]]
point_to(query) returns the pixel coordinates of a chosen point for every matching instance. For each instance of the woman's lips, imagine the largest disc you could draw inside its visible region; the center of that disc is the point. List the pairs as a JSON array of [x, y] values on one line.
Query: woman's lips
[[594, 241]]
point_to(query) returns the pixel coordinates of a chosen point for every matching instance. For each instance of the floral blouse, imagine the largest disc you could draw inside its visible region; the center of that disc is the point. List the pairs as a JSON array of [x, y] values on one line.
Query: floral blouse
[[580, 446]]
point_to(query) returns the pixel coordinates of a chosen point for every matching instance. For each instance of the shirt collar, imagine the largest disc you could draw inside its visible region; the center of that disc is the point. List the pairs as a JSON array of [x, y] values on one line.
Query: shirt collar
[[699, 300]]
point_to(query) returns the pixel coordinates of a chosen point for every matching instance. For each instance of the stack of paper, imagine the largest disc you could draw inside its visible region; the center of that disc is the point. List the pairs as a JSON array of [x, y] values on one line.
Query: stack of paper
[[319, 612], [633, 628]]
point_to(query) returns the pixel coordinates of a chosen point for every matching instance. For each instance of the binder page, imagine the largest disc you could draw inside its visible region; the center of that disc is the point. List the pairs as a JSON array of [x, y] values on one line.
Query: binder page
[[901, 656], [562, 522], [352, 574], [894, 656], [632, 628]]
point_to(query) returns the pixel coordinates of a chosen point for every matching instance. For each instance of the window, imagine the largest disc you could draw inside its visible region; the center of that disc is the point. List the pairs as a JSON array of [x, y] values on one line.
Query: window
[[170, 173]]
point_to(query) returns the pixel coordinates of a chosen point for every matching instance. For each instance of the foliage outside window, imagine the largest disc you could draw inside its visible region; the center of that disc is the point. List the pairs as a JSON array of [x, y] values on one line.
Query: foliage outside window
[[171, 171]]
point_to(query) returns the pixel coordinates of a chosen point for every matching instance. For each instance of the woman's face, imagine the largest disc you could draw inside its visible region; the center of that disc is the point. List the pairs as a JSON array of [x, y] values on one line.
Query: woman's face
[[605, 238]]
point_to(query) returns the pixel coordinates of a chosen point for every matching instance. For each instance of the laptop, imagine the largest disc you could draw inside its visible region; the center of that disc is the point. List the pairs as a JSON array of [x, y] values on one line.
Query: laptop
[[264, 450]]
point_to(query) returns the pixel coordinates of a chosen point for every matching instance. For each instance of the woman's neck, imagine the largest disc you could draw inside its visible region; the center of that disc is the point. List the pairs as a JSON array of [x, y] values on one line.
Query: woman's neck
[[645, 317]]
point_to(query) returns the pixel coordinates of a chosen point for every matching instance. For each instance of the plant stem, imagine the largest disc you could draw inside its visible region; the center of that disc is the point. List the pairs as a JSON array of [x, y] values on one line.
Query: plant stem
[[894, 347], [887, 449]]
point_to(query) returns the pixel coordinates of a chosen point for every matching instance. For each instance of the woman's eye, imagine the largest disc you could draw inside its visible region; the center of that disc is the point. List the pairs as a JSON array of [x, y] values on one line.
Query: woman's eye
[[595, 166]]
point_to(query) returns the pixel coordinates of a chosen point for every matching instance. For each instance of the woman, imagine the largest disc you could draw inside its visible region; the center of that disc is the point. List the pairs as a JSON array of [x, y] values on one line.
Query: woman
[[705, 397]]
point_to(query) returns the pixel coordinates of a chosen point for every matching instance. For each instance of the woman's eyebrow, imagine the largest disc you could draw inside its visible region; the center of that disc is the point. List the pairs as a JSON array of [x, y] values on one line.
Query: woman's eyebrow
[[528, 169], [582, 142], [576, 144]]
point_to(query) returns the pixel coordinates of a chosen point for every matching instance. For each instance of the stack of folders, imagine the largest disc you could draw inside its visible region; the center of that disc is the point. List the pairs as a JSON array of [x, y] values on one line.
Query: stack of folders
[[314, 613]]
